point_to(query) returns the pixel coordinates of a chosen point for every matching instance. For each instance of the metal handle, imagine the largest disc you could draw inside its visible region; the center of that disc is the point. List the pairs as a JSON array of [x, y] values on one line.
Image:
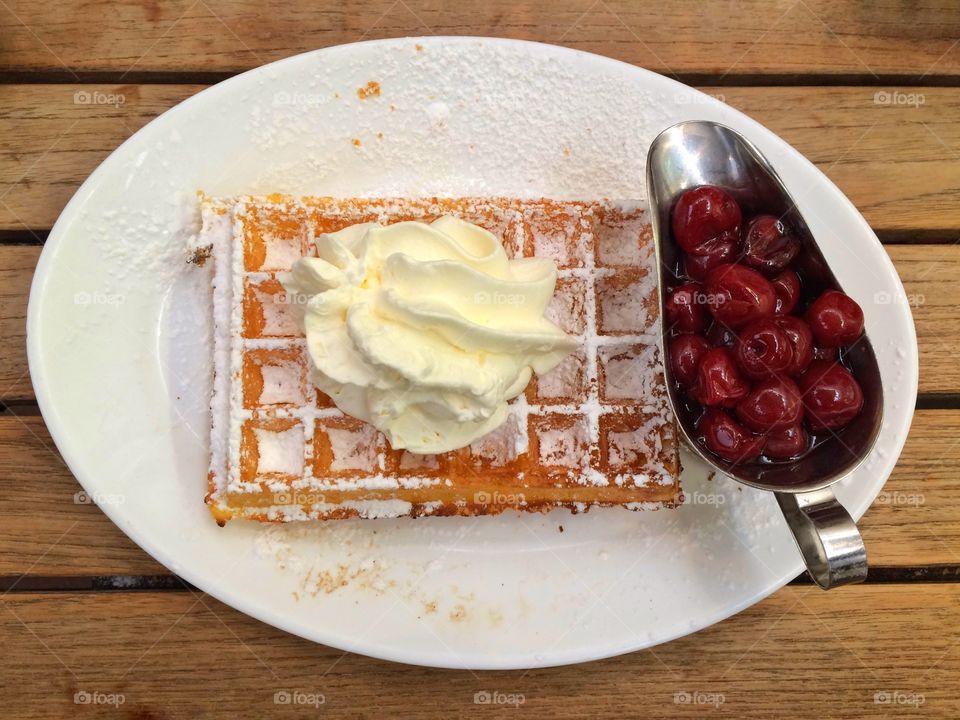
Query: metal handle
[[827, 537]]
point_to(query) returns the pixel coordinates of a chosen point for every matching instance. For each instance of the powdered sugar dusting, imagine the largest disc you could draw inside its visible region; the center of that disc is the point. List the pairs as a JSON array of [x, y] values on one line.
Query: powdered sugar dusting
[[633, 446], [565, 446], [354, 449], [280, 452], [446, 98], [500, 446], [564, 382], [627, 371], [282, 384]]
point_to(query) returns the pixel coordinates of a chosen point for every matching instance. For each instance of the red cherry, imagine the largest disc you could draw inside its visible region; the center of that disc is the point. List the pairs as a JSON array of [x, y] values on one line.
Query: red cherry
[[829, 354], [685, 353], [831, 395], [768, 245], [773, 404], [724, 436], [801, 338], [705, 218], [835, 318], [763, 349], [684, 309], [696, 267], [786, 444], [720, 335], [718, 380], [737, 295], [787, 287]]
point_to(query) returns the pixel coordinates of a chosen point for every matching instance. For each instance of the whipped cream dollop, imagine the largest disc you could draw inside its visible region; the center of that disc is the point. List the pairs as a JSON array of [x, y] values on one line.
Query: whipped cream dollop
[[425, 331]]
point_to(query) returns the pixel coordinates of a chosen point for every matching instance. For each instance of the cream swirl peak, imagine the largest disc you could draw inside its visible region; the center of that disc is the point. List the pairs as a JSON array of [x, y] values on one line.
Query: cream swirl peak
[[425, 331]]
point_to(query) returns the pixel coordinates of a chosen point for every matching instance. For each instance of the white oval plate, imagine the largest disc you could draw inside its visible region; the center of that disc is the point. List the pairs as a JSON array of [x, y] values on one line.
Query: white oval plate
[[120, 354]]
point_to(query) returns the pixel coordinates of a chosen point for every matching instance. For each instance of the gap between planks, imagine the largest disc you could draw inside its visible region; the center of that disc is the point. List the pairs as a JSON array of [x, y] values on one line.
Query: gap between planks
[[11, 584], [172, 77]]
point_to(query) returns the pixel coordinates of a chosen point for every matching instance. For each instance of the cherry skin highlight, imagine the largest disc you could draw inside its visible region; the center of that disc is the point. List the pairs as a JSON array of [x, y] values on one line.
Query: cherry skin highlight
[[737, 295], [787, 287], [835, 318], [768, 246], [696, 267], [719, 382], [763, 349], [831, 395], [786, 444], [723, 435], [685, 353], [684, 309], [801, 339], [705, 218], [773, 404]]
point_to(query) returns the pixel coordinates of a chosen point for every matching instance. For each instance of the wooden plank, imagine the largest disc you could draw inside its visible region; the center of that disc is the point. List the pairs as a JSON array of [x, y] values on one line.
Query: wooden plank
[[16, 271], [929, 274], [751, 39], [46, 532], [864, 651], [916, 518], [899, 163], [931, 278], [62, 141], [49, 526]]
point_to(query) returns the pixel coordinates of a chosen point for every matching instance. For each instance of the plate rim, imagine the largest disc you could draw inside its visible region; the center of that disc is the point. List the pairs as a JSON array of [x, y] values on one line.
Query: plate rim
[[59, 431]]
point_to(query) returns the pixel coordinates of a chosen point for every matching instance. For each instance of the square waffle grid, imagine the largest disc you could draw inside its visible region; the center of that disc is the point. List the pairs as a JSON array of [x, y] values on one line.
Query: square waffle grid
[[594, 431]]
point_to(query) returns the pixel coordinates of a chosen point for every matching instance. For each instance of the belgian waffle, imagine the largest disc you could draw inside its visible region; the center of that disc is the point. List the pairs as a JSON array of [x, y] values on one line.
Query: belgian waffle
[[595, 431]]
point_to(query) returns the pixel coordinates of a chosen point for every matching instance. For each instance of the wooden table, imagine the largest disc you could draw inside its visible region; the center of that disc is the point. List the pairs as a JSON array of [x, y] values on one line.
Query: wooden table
[[867, 90]]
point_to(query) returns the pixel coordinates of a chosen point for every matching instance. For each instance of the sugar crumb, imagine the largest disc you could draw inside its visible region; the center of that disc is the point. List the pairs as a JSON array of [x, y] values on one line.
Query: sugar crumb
[[371, 89]]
